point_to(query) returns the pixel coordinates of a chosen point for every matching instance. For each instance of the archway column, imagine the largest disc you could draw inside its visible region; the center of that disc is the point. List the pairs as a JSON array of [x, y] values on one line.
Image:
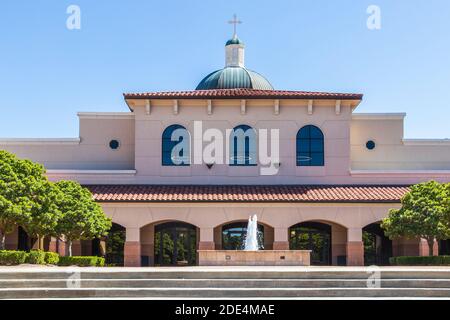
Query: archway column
[[281, 241], [53, 245], [424, 249], [355, 247], [132, 248], [206, 239]]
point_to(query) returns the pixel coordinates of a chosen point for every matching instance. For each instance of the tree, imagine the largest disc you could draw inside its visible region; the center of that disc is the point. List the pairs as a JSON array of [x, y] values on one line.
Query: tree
[[45, 213], [82, 218], [425, 213], [19, 181]]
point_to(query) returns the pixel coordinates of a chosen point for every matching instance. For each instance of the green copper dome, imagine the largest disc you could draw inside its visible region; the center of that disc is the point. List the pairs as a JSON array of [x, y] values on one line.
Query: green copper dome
[[234, 78], [234, 40]]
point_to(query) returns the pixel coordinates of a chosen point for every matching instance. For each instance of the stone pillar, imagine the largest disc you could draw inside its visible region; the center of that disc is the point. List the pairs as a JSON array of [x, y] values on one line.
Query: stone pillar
[[132, 248], [148, 244], [206, 239], [355, 247], [424, 250], [280, 237], [62, 248], [53, 245]]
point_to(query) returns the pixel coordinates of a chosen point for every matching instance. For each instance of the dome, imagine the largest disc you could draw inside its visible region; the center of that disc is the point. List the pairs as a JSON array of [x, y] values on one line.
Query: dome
[[234, 40], [234, 78]]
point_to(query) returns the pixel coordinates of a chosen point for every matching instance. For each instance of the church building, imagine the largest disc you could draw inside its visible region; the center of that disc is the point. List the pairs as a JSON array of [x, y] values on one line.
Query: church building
[[317, 174]]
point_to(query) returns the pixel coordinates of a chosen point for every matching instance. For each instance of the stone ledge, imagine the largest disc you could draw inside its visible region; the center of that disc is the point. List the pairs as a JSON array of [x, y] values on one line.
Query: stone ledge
[[254, 258]]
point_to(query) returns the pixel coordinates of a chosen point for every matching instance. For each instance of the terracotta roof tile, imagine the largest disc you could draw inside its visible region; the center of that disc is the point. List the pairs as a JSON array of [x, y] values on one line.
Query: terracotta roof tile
[[242, 94], [246, 193]]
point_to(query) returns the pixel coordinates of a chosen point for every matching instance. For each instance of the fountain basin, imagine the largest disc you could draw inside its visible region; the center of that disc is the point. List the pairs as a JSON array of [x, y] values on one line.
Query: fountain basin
[[254, 258]]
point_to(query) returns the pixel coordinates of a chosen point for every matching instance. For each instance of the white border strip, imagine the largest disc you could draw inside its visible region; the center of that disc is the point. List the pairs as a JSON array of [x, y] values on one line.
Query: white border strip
[[400, 173], [378, 116], [40, 141], [91, 172], [426, 142], [106, 115]]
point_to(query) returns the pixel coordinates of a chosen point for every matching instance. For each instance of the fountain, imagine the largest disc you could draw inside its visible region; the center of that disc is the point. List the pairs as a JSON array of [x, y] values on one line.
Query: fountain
[[251, 255], [251, 239]]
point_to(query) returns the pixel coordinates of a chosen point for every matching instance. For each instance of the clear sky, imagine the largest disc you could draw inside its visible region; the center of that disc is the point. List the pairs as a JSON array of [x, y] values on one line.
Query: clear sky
[[48, 72]]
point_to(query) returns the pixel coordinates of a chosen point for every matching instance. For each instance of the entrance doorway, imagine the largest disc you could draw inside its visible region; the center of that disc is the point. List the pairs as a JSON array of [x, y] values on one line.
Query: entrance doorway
[[23, 240], [175, 244], [314, 236], [444, 247], [377, 247], [114, 245]]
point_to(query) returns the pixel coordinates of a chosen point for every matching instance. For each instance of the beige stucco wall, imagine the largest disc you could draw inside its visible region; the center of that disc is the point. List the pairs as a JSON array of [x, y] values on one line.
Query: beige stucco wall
[[138, 160], [90, 152], [279, 216], [226, 114], [392, 152]]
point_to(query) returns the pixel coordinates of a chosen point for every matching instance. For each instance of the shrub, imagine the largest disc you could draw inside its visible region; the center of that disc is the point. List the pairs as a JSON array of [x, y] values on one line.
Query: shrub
[[82, 261], [420, 261], [51, 258], [100, 262], [10, 257], [36, 257]]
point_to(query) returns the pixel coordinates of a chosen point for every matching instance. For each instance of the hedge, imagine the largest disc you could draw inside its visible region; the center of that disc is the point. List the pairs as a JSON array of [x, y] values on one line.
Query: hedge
[[10, 257], [36, 257], [420, 261], [82, 261], [51, 258]]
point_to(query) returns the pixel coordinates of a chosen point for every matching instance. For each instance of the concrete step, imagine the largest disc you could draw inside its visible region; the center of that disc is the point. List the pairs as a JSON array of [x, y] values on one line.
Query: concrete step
[[221, 283], [179, 273], [47, 293]]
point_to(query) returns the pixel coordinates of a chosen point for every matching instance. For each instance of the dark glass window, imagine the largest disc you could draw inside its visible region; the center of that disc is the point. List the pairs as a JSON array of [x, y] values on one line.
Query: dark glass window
[[114, 144], [175, 136], [310, 146], [243, 146], [370, 145], [175, 244], [312, 236]]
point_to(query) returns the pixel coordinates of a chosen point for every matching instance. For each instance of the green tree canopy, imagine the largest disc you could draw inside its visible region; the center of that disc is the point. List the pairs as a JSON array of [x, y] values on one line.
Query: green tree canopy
[[20, 180], [425, 213], [45, 213], [82, 218]]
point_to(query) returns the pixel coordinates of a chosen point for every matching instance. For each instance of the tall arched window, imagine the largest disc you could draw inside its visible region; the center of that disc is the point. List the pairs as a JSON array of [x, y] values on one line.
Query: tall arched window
[[176, 146], [243, 146], [310, 147]]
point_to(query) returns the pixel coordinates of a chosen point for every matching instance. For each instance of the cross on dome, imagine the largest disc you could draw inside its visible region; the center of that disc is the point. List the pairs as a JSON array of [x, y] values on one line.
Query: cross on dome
[[235, 22]]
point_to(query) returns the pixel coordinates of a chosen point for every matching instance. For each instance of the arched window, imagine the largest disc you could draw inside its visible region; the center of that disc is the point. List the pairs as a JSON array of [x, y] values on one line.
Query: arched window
[[310, 148], [243, 146], [176, 146]]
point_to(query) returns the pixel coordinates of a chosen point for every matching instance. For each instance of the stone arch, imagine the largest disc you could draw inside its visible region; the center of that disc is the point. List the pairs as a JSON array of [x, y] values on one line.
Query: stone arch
[[267, 229], [113, 245], [326, 239], [378, 248], [150, 250]]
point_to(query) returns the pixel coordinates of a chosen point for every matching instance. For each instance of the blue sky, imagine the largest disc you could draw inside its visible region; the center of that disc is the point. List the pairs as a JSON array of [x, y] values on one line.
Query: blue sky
[[48, 73]]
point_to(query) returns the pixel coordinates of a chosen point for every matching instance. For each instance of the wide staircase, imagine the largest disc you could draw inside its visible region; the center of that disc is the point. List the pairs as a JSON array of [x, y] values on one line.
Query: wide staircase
[[231, 282]]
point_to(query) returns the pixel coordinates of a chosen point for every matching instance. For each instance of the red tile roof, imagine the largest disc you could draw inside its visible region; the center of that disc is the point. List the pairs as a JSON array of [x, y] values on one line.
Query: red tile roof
[[247, 193], [243, 94]]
